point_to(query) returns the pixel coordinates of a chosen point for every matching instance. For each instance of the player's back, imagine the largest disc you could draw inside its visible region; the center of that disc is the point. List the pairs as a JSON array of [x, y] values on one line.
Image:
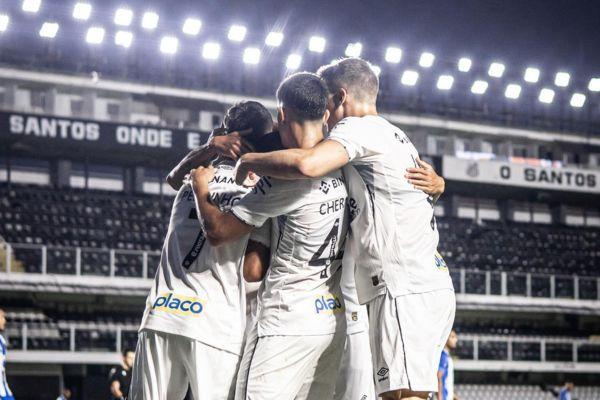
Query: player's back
[[198, 290], [300, 294]]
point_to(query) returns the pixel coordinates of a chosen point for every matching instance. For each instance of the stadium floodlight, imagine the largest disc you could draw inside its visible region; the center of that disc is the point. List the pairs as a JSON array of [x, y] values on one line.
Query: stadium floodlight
[[316, 44], [123, 16], [426, 60], [82, 11], [393, 55], [95, 35], [123, 39], [150, 20], [376, 69], [562, 79], [4, 20], [353, 49], [546, 96], [532, 75], [251, 55], [293, 61], [577, 100], [191, 26], [479, 87], [169, 44], [445, 82], [594, 85], [237, 33], [211, 50], [409, 77], [31, 6], [274, 39], [513, 91], [496, 70], [49, 30], [464, 64]]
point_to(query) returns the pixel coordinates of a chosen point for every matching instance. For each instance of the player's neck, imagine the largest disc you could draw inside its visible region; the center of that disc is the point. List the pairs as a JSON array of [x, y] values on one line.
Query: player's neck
[[447, 349], [360, 109], [309, 134]]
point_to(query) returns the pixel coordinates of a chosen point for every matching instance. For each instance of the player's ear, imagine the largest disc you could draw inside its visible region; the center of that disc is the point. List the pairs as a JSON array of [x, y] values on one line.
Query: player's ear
[[343, 96], [280, 116], [326, 116]]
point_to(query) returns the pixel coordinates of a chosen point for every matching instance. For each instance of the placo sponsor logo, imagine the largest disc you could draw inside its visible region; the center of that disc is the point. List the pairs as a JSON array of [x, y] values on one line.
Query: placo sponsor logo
[[182, 305], [439, 261], [328, 304]]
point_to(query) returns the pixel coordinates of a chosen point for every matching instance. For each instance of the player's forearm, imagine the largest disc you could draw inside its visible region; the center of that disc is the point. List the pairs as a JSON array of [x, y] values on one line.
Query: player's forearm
[[282, 164], [200, 156], [440, 393]]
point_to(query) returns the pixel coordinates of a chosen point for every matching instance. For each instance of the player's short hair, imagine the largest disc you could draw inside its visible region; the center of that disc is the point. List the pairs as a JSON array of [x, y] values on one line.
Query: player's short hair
[[249, 114], [353, 74], [127, 351], [305, 93]]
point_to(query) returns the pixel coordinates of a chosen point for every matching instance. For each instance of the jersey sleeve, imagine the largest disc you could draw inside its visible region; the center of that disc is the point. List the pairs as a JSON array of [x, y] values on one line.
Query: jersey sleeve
[[270, 198], [348, 133], [262, 235], [443, 362], [113, 375]]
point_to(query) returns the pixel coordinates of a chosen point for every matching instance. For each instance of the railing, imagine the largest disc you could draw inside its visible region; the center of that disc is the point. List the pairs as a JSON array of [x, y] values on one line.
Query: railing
[[31, 258], [523, 348]]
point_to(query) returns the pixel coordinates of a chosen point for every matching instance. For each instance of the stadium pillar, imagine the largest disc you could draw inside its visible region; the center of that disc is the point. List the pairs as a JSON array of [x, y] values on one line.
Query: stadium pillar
[[88, 108], [61, 173], [128, 180], [138, 179]]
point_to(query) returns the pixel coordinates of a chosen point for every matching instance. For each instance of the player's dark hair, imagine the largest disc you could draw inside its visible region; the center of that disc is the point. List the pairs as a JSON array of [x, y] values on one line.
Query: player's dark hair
[[305, 93], [249, 114], [126, 351], [353, 74]]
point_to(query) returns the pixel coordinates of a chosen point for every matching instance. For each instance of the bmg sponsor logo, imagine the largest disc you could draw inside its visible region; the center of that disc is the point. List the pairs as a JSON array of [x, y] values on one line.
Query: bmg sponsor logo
[[182, 305], [328, 304]]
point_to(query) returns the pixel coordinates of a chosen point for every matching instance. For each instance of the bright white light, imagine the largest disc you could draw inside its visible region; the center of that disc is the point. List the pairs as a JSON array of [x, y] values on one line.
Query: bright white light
[[532, 75], [353, 49], [4, 20], [577, 100], [274, 39], [409, 78], [31, 6], [445, 82], [82, 11], [594, 85], [211, 50], [123, 38], [95, 35], [49, 29], [191, 26], [123, 16], [237, 33], [316, 44], [169, 44], [496, 70], [562, 79], [426, 60], [251, 55], [464, 64], [150, 20], [393, 55], [479, 87], [376, 69], [513, 91], [546, 96], [293, 61]]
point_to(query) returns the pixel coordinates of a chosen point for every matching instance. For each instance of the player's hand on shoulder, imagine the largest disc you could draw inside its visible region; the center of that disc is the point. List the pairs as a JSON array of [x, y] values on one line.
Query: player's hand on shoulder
[[199, 177], [425, 178], [231, 145]]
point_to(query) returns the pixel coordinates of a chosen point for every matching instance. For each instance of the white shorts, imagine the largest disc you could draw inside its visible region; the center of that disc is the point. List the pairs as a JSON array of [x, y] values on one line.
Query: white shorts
[[407, 336], [165, 364], [289, 367], [355, 377]]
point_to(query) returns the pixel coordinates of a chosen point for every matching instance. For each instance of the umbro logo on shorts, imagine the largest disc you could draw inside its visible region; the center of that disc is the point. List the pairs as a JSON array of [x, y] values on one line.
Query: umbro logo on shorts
[[382, 373]]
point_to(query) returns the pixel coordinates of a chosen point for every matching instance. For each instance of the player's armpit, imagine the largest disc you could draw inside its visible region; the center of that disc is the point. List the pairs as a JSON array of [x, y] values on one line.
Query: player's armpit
[[256, 261]]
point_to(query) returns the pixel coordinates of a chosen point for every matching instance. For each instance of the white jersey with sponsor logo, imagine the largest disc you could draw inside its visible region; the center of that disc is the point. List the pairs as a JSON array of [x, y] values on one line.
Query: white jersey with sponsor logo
[[4, 390], [357, 319], [199, 289], [300, 294], [394, 236]]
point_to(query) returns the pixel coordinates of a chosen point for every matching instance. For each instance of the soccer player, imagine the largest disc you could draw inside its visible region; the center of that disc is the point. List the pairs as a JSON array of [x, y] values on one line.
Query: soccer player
[[565, 392], [446, 370], [192, 329], [5, 393], [400, 275], [119, 377], [294, 349]]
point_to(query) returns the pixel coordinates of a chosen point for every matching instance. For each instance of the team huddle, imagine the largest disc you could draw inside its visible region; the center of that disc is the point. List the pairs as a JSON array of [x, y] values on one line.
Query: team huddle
[[331, 213]]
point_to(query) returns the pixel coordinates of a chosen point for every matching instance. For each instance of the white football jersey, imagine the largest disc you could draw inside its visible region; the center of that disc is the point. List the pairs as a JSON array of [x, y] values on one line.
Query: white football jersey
[[357, 319], [199, 289], [300, 294], [393, 234]]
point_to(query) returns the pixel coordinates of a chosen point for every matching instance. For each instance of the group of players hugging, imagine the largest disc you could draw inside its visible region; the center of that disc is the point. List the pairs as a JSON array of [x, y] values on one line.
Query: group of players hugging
[[331, 212]]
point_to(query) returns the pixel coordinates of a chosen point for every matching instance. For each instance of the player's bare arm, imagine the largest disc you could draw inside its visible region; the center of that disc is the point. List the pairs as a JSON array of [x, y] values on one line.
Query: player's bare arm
[[315, 162], [426, 179], [256, 261], [230, 146], [219, 227]]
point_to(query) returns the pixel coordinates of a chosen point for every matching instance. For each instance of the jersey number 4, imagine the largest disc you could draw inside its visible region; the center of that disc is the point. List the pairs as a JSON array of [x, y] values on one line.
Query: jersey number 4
[[321, 256]]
